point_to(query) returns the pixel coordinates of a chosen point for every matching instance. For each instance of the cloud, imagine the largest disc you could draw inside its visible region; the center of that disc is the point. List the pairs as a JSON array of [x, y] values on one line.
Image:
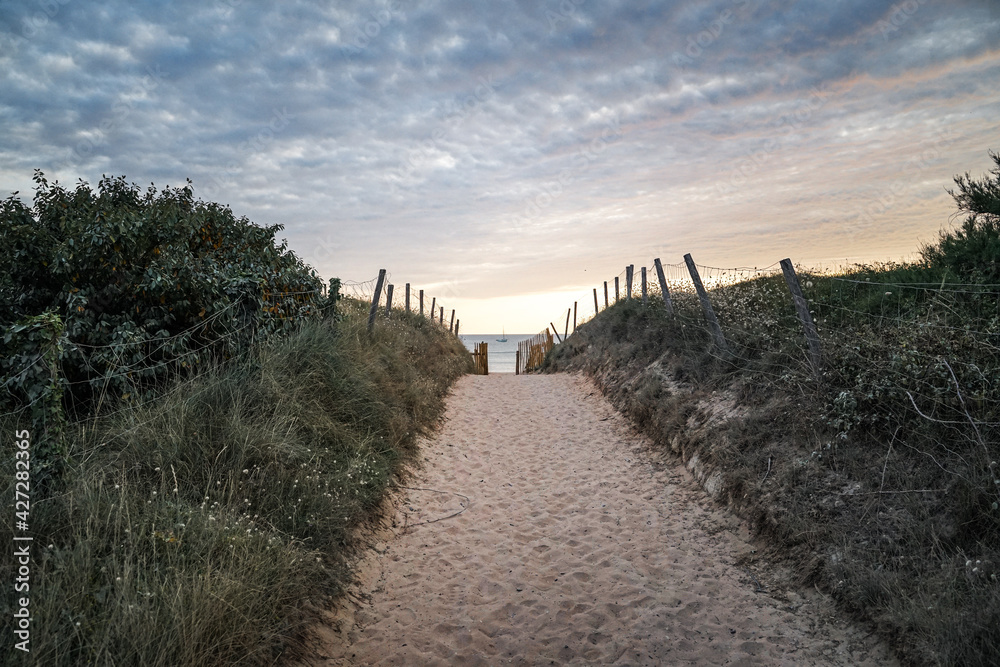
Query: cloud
[[424, 131]]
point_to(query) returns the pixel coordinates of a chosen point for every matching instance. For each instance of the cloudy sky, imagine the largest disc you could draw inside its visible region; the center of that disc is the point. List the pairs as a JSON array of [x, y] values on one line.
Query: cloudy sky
[[507, 155]]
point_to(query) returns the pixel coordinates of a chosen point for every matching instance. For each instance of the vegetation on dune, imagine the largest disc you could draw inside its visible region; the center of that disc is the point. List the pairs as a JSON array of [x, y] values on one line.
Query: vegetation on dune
[[881, 481], [203, 517]]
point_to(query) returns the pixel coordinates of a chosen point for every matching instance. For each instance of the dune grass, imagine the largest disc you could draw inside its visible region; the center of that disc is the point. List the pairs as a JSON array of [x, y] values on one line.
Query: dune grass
[[878, 481], [207, 527]]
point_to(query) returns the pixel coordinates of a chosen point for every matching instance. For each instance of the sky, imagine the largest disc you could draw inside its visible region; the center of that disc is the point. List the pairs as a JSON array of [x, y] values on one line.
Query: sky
[[508, 156]]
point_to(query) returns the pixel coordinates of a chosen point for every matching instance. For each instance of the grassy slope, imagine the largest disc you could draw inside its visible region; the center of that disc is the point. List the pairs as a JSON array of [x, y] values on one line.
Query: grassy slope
[[892, 513], [205, 528]]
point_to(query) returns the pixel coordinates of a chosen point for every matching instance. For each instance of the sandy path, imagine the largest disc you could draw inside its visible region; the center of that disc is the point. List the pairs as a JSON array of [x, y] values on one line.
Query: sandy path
[[575, 548]]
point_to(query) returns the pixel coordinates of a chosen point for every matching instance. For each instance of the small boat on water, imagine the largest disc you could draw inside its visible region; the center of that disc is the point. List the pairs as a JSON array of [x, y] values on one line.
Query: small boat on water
[[503, 337]]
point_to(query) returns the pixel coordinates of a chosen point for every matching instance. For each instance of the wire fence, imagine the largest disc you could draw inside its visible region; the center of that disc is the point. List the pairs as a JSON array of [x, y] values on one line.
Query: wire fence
[[932, 347]]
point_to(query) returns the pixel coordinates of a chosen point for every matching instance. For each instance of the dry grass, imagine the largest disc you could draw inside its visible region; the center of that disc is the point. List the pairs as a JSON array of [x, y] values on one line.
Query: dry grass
[[893, 511], [205, 528]]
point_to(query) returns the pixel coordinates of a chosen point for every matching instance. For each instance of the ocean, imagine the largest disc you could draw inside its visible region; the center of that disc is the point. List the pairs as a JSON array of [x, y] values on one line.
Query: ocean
[[501, 355]]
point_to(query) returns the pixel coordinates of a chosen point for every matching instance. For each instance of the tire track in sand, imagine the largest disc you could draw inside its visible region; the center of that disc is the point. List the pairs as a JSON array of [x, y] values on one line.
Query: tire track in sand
[[575, 548]]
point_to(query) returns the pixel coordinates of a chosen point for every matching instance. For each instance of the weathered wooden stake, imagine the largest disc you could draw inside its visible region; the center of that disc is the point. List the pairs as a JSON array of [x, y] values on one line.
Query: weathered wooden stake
[[645, 300], [517, 360], [378, 295], [421, 303], [566, 330], [451, 324], [456, 326], [663, 288], [596, 308], [574, 317], [388, 299], [407, 297], [617, 293], [441, 321], [433, 308], [556, 332], [802, 308], [629, 271], [706, 306], [605, 294]]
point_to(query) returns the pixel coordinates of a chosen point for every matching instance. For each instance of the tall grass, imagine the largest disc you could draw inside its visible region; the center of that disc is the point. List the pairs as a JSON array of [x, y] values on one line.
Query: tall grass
[[209, 526], [880, 481]]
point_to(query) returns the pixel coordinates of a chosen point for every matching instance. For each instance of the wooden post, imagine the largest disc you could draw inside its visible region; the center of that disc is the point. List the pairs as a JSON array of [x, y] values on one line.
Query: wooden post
[[388, 299], [645, 300], [596, 309], [441, 321], [378, 294], [605, 294], [802, 308], [663, 287], [706, 306], [617, 293], [574, 316], [433, 308], [517, 360], [556, 332], [451, 324], [407, 298], [629, 271], [456, 327], [566, 330], [421, 303]]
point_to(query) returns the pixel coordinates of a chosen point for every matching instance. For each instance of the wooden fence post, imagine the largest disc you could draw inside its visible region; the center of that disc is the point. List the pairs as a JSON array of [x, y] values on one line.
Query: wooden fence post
[[706, 306], [605, 294], [517, 360], [433, 308], [451, 324], [441, 321], [407, 298], [388, 299], [574, 316], [456, 327], [645, 300], [421, 303], [629, 271], [378, 295], [557, 333], [802, 308], [566, 330], [617, 293], [596, 309], [663, 287]]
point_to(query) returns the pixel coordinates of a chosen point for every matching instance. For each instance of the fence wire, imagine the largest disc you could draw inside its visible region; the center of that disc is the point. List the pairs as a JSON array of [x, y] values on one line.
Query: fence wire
[[932, 347]]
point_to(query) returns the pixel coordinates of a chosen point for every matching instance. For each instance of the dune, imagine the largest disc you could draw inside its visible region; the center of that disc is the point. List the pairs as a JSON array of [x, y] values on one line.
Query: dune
[[541, 530]]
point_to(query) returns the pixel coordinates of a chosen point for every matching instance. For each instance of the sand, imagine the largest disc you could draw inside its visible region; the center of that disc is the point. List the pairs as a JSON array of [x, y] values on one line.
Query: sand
[[541, 530]]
